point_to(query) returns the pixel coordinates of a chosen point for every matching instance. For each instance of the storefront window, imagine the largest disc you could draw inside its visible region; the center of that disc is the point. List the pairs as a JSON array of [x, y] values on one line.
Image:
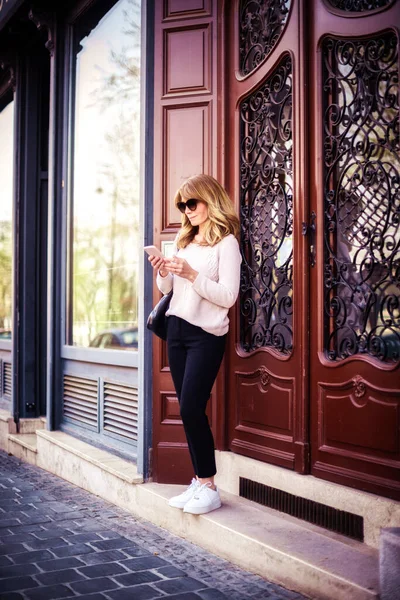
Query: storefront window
[[6, 208], [104, 240]]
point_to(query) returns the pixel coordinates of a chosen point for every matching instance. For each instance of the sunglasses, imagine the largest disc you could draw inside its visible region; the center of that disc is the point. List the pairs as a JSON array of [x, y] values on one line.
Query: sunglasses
[[190, 204]]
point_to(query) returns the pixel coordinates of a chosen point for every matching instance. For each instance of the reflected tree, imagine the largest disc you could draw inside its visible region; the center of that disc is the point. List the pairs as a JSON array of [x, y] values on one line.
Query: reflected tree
[[105, 284]]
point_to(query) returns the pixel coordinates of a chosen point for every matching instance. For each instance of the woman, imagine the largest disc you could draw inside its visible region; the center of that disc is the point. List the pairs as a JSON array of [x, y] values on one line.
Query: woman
[[204, 275]]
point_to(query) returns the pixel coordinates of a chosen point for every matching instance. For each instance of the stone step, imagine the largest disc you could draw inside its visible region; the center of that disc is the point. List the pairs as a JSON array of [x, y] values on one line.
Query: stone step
[[297, 555], [23, 446]]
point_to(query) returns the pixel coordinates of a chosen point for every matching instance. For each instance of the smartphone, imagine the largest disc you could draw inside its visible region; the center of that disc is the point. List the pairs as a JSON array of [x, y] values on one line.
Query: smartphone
[[153, 251]]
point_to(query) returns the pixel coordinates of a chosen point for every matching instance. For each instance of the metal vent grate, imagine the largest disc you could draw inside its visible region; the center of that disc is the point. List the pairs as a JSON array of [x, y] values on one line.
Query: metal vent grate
[[319, 514], [121, 409], [7, 380], [81, 400]]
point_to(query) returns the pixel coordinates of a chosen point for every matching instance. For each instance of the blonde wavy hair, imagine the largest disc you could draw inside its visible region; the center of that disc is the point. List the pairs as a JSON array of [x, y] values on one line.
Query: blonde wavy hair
[[222, 218]]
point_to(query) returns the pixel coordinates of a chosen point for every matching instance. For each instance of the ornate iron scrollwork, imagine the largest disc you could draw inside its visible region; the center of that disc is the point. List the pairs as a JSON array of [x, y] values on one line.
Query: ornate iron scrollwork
[[362, 198], [266, 182], [359, 5], [261, 25]]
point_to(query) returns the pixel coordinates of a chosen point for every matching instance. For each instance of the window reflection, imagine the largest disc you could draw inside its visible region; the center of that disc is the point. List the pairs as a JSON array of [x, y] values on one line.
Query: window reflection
[[105, 207], [6, 207]]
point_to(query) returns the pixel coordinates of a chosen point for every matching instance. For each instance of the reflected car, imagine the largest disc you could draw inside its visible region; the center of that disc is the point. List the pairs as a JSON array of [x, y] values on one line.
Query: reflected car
[[116, 339], [5, 334]]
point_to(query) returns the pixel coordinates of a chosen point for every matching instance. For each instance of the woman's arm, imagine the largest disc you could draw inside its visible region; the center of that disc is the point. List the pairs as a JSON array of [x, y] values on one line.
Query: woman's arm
[[223, 292], [164, 284]]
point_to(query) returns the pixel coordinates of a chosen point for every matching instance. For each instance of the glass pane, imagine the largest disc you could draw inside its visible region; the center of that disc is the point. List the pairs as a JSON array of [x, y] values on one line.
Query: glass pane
[[105, 208], [362, 198], [266, 199], [6, 208]]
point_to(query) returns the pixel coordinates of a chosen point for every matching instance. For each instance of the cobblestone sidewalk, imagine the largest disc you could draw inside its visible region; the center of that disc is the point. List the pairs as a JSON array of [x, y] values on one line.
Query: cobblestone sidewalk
[[58, 541]]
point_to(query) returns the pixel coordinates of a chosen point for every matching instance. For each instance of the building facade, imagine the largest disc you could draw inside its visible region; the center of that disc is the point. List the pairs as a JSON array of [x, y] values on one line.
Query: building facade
[[106, 107]]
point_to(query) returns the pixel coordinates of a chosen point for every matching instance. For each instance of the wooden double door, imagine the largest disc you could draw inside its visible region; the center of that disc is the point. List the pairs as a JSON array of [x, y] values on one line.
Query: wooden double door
[[300, 120]]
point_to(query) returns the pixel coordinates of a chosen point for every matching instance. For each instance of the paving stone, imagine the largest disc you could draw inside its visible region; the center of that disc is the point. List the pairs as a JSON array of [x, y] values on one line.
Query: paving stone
[[54, 532], [81, 537], [4, 561], [109, 534], [72, 550], [9, 522], [65, 576], [100, 584], [102, 569], [8, 502], [17, 570], [171, 572], [180, 584], [51, 592], [138, 577], [5, 533], [33, 519], [143, 563], [138, 592], [57, 564], [113, 544], [11, 596], [49, 543], [13, 584], [211, 594], [11, 549], [18, 529], [102, 557], [30, 557], [19, 538]]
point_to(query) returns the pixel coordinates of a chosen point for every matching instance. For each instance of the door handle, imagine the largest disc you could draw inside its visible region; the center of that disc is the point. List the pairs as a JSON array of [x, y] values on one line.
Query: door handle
[[308, 229]]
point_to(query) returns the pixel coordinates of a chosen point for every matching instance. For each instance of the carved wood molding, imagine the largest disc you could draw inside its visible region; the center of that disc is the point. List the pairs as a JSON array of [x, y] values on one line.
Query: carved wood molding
[[7, 64], [44, 21]]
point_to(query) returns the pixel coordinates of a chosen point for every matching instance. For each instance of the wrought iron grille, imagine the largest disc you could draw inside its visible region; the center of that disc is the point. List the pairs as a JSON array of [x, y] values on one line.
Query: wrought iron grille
[[359, 5], [362, 197], [261, 24], [266, 188]]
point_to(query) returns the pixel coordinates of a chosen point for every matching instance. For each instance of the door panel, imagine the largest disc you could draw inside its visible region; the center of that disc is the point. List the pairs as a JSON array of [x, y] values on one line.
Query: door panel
[[185, 145], [268, 415], [355, 330]]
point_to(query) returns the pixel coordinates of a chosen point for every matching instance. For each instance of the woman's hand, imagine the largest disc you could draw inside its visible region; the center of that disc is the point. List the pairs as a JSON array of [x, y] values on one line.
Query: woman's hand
[[158, 264], [180, 267]]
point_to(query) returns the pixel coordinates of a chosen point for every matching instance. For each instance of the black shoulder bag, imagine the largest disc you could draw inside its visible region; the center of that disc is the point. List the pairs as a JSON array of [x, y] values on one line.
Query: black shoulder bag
[[157, 321]]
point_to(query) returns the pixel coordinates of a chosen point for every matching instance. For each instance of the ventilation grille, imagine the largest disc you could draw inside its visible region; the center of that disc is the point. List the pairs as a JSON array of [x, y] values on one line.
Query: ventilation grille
[[7, 380], [121, 409], [80, 400], [324, 516]]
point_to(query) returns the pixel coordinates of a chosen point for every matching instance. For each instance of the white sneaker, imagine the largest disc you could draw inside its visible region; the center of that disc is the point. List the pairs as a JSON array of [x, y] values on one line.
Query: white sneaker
[[204, 500], [182, 499]]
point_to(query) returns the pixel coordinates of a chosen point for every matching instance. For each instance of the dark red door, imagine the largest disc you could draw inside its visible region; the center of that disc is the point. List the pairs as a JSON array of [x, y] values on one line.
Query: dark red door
[[268, 359], [313, 124], [355, 175]]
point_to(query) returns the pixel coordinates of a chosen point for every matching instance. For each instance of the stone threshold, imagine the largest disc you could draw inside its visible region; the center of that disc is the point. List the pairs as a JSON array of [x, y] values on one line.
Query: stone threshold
[[299, 556]]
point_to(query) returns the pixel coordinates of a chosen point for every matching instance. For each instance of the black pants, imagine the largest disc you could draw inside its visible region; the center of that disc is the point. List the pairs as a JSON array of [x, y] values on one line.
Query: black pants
[[194, 358]]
